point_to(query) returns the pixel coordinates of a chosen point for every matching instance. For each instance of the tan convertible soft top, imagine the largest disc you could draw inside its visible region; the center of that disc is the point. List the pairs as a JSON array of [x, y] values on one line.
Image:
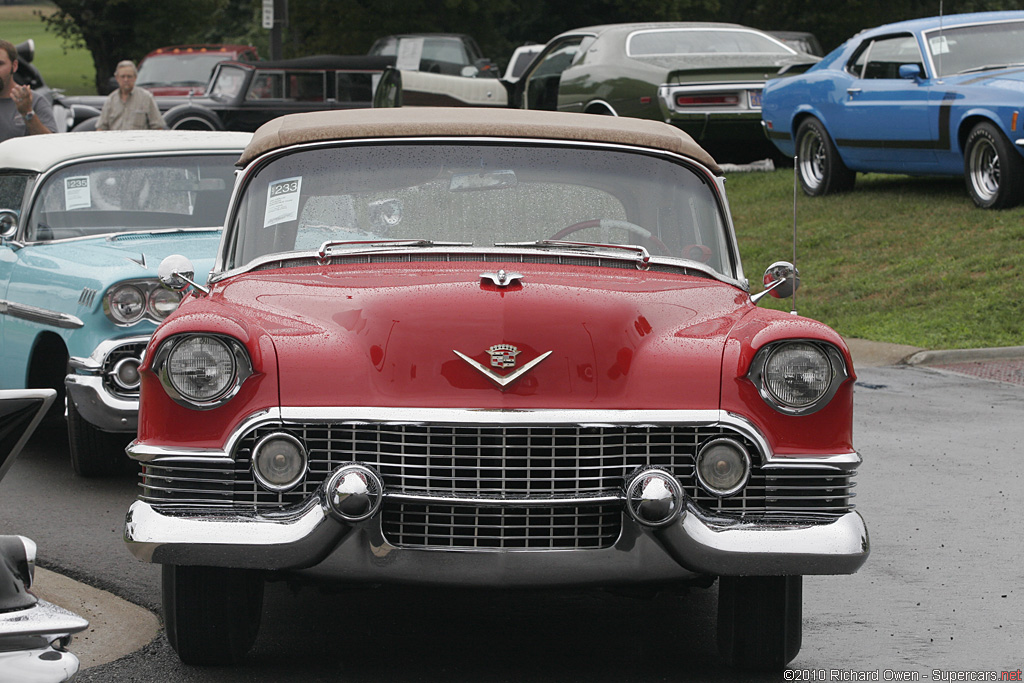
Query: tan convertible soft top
[[473, 122]]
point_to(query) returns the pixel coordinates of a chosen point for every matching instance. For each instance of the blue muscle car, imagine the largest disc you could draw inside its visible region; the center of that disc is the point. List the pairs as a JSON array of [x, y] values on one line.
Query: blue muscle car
[[937, 96], [85, 220]]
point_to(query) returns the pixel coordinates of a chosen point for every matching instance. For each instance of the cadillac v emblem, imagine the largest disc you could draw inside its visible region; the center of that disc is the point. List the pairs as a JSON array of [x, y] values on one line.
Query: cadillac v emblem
[[503, 356]]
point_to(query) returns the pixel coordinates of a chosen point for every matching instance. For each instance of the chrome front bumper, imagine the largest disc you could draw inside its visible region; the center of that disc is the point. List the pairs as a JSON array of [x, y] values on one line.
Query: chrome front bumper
[[311, 539], [32, 643]]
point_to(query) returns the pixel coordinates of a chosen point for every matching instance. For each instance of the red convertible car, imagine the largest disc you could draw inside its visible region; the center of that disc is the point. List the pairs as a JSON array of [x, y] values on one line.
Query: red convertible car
[[440, 346]]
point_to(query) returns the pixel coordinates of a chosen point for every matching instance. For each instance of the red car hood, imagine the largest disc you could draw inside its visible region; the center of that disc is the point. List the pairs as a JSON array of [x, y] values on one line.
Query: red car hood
[[388, 336]]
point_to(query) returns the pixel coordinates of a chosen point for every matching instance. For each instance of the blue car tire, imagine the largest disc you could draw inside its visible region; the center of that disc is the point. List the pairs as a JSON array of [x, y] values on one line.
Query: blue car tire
[[820, 169], [993, 169]]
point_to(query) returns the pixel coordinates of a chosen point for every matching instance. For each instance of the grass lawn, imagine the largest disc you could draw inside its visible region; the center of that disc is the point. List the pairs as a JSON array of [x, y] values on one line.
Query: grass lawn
[[898, 259], [69, 70]]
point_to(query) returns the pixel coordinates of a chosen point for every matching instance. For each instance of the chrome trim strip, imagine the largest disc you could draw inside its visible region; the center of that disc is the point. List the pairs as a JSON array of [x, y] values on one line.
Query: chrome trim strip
[[94, 363], [44, 316], [509, 501]]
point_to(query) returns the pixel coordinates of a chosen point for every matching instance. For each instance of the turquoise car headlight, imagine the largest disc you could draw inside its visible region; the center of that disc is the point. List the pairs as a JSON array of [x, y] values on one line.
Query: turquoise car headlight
[[126, 304], [163, 302], [798, 377], [202, 371]]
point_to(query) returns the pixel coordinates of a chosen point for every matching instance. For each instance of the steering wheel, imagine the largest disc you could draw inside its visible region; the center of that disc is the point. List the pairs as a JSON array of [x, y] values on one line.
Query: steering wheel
[[609, 223]]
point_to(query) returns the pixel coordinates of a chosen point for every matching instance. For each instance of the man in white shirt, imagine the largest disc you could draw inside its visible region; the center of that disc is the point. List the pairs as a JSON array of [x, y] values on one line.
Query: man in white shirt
[[128, 107]]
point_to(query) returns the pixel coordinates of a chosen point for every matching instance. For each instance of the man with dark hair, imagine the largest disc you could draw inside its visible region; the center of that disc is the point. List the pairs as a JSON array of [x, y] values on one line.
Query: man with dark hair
[[21, 112], [128, 107]]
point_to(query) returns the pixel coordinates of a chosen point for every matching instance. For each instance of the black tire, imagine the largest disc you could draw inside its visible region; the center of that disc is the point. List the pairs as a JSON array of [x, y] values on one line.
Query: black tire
[[94, 453], [993, 169], [211, 614], [759, 620], [820, 169], [189, 117]]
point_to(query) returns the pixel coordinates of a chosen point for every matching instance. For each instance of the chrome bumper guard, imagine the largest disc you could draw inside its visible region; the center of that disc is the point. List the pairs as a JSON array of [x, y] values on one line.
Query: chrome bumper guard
[[313, 537], [95, 403]]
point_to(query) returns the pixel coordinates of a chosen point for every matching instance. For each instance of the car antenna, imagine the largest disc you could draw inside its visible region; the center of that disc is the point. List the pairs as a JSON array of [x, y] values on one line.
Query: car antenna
[[796, 166], [941, 47]]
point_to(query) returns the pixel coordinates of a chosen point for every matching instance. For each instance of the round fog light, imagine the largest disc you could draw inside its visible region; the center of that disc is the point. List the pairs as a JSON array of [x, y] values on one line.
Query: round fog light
[[279, 462], [723, 466], [654, 497], [354, 492], [126, 374]]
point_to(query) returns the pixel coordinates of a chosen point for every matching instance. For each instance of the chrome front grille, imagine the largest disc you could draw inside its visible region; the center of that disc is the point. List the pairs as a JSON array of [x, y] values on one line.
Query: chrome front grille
[[509, 463]]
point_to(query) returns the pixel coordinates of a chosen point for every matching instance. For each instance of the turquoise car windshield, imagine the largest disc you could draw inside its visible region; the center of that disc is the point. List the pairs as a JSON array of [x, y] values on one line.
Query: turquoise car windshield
[[124, 195], [479, 195], [977, 48]]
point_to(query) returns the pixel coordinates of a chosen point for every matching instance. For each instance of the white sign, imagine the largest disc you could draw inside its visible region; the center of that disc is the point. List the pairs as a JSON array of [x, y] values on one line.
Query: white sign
[[410, 51], [282, 201], [268, 13], [76, 193]]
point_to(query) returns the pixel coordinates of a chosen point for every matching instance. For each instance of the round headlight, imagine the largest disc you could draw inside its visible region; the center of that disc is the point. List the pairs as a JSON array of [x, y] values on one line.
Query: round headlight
[[279, 462], [127, 304], [797, 374], [201, 368], [126, 373], [163, 302], [723, 466]]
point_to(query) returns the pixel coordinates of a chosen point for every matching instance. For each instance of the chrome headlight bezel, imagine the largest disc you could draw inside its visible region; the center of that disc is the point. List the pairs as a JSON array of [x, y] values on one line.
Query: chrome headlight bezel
[[833, 364], [241, 369], [154, 296]]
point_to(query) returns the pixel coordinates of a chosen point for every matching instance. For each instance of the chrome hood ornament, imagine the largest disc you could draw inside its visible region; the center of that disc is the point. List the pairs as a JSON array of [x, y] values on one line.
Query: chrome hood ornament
[[502, 278], [503, 356]]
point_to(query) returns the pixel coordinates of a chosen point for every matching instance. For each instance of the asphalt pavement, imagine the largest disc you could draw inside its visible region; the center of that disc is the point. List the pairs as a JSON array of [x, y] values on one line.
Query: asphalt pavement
[[118, 628]]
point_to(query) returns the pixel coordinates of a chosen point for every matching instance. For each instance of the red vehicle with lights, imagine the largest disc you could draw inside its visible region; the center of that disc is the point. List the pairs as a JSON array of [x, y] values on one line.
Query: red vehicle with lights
[[180, 70], [440, 346]]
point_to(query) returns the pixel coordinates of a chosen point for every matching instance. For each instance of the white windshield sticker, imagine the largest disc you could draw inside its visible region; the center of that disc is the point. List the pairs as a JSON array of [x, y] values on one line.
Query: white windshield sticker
[[939, 45], [282, 201], [410, 52], [76, 193]]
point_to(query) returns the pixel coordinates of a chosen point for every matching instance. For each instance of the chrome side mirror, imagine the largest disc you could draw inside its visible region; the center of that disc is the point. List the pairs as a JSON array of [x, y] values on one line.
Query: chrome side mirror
[[781, 280], [8, 223], [177, 274]]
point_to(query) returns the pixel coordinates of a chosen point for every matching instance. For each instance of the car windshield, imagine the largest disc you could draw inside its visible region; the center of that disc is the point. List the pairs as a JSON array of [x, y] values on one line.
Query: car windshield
[[179, 69], [480, 195], [124, 195], [976, 48], [698, 41], [228, 83]]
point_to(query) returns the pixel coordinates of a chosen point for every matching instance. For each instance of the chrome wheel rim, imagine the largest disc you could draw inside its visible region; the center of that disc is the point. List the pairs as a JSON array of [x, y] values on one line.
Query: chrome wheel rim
[[984, 173], [812, 160]]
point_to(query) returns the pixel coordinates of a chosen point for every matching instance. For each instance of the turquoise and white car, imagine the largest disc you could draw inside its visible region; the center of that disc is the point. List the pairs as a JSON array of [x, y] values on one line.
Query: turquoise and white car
[[85, 220]]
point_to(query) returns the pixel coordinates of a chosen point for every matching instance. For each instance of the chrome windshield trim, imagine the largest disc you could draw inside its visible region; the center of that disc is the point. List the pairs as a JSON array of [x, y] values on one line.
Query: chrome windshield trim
[[64, 321]]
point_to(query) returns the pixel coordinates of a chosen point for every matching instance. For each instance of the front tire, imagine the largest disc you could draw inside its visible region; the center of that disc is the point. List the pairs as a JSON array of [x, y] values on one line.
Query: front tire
[[94, 453], [211, 614], [759, 620], [993, 169], [819, 167]]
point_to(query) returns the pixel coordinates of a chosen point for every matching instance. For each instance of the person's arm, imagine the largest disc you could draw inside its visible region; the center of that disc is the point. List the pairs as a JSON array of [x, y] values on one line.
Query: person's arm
[[103, 121], [23, 96], [156, 119]]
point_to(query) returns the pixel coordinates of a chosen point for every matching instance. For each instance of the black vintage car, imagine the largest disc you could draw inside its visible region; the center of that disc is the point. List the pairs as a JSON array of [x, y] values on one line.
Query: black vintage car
[[245, 95]]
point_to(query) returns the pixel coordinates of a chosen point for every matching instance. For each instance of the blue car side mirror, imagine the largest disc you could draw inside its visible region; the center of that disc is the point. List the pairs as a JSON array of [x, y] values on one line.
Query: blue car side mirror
[[911, 71]]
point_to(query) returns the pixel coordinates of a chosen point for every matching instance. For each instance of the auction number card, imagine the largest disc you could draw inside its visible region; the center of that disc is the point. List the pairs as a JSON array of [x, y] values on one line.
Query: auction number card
[[282, 201], [76, 193]]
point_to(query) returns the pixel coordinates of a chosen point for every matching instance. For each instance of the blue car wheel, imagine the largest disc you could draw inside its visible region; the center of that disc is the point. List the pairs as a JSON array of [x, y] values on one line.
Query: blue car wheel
[[820, 169], [993, 169]]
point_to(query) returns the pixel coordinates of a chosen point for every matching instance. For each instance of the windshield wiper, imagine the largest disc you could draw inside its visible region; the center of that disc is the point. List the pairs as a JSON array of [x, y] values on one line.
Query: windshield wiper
[[642, 256], [325, 249], [989, 67]]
